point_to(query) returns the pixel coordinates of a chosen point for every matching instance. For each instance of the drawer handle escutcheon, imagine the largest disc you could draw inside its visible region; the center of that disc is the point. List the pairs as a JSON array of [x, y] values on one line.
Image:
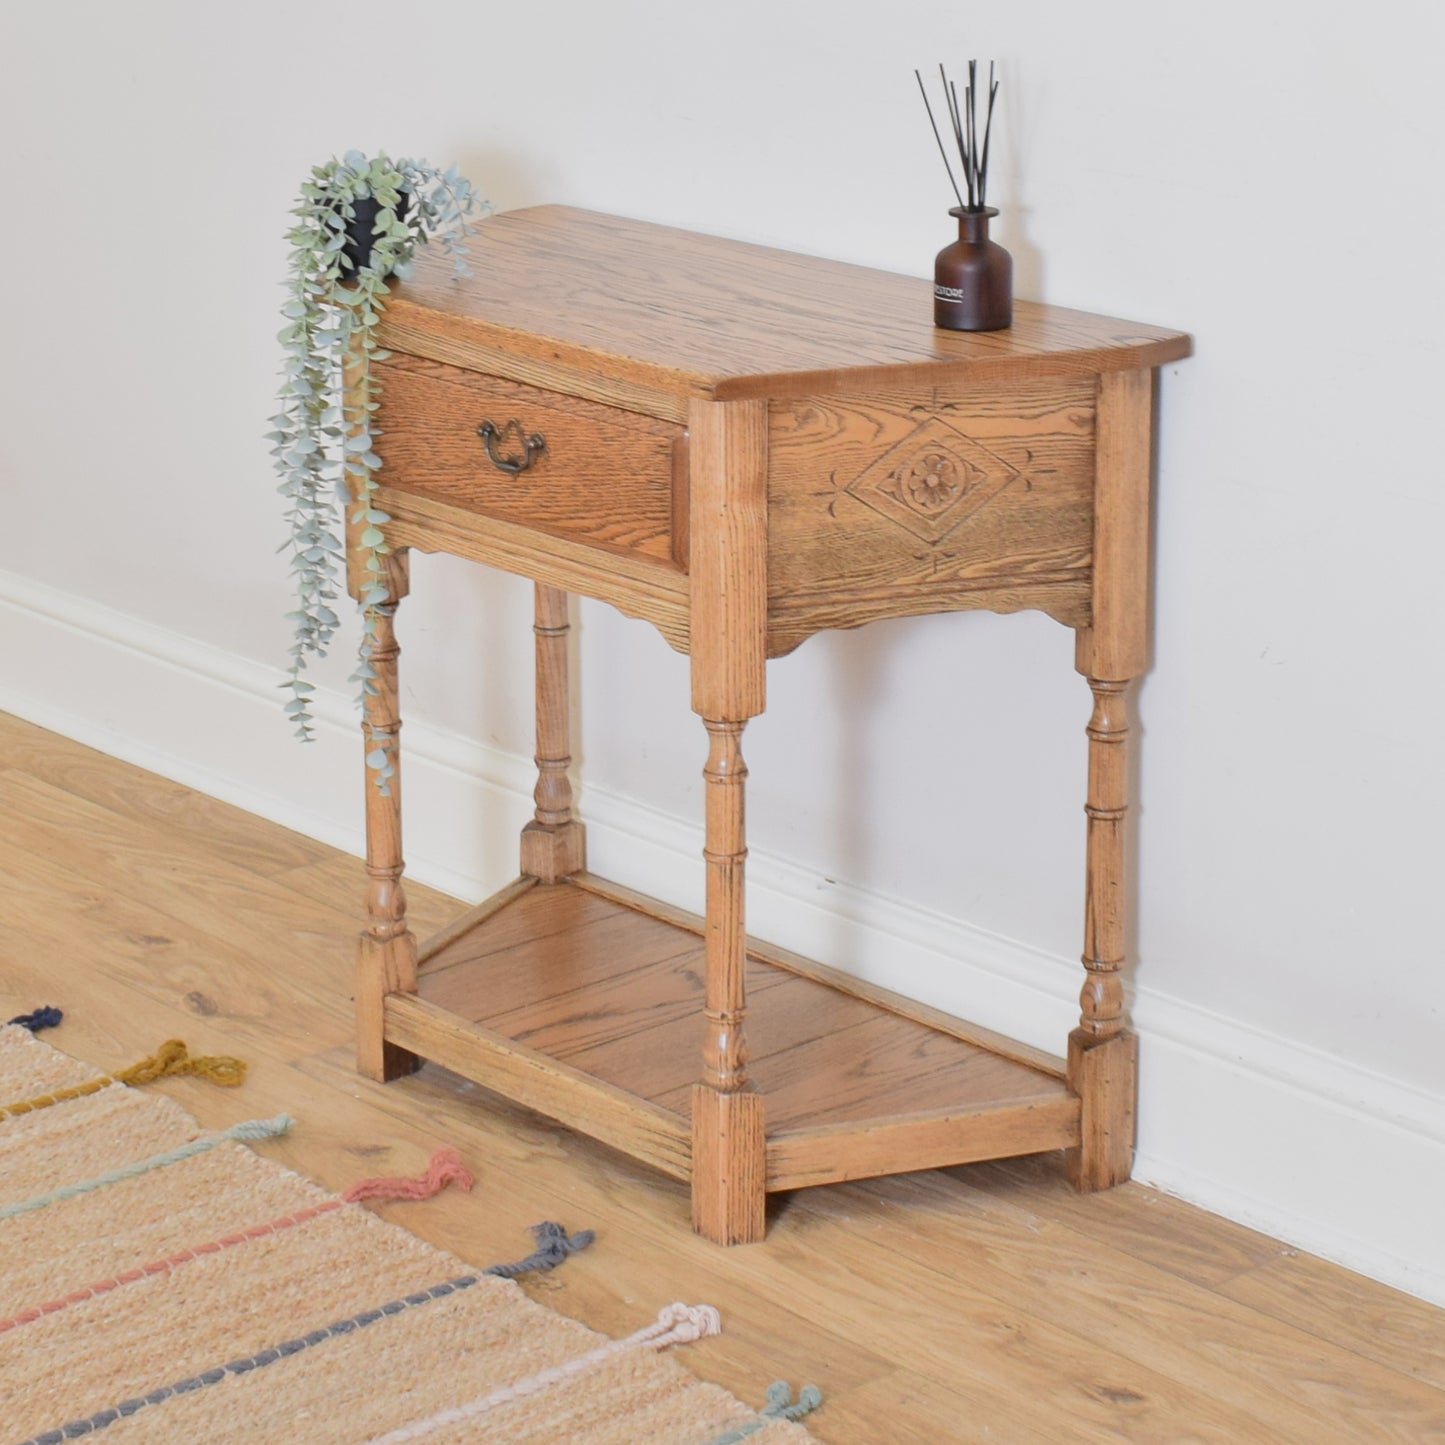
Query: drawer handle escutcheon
[[532, 446]]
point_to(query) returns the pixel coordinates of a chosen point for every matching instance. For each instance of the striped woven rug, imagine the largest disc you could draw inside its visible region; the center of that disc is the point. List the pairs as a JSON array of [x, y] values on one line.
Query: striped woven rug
[[159, 1282]]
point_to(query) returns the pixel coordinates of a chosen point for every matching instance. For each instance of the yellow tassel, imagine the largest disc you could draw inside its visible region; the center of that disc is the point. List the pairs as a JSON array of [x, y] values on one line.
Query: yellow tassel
[[172, 1059], [167, 1061]]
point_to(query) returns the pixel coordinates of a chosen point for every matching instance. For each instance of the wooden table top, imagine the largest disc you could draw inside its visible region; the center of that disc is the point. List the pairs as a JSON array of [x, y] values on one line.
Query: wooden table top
[[706, 316]]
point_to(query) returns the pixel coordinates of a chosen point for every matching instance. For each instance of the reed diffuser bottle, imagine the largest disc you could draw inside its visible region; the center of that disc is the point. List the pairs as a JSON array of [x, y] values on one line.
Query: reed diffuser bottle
[[972, 277]]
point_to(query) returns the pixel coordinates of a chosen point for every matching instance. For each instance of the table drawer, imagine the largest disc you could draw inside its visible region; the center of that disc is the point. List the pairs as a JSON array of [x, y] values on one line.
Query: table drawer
[[597, 474]]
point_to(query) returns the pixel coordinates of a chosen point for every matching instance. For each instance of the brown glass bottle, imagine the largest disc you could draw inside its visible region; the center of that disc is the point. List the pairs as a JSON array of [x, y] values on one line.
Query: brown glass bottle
[[973, 279]]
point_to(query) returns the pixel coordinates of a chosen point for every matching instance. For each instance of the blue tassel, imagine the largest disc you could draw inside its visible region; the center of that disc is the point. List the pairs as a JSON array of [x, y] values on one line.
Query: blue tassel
[[554, 1244], [43, 1018]]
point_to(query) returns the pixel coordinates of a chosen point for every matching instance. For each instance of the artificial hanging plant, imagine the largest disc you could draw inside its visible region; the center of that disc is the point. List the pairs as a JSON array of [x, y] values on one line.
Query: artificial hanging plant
[[324, 446]]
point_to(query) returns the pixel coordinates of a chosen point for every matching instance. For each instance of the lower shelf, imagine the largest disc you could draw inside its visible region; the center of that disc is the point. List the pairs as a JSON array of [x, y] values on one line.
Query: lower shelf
[[583, 1000]]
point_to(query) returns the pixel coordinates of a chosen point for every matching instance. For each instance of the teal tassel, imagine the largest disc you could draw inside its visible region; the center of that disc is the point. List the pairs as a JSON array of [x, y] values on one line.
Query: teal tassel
[[780, 1406]]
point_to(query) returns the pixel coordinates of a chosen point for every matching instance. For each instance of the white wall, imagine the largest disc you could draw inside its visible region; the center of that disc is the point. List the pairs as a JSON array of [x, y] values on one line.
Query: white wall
[[1259, 175]]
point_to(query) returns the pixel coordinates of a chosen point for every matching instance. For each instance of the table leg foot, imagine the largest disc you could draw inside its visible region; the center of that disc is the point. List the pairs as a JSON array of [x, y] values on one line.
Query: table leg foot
[[380, 971], [553, 853], [729, 1166], [1103, 1073]]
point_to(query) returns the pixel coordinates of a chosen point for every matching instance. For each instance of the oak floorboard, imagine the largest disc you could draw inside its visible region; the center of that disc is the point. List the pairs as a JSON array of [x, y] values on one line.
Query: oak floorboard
[[1287, 1377], [910, 1405], [151, 871], [984, 1303], [67, 927], [241, 838], [1154, 1227], [937, 1318], [1393, 1329]]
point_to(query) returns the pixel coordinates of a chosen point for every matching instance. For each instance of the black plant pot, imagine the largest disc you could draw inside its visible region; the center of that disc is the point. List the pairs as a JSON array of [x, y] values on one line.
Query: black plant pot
[[360, 230]]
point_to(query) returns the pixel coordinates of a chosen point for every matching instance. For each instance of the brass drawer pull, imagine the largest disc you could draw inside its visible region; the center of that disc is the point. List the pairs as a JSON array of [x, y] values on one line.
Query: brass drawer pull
[[532, 446]]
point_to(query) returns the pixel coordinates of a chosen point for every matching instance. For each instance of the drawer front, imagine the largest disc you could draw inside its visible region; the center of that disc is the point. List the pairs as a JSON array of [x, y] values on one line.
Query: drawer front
[[601, 475], [893, 503]]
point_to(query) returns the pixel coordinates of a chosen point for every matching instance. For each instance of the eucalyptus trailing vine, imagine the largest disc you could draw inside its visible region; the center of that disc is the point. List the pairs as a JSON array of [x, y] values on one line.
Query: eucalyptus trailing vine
[[323, 437]]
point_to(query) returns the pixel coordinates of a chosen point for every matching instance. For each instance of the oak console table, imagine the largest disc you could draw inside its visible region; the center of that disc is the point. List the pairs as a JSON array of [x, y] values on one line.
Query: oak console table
[[744, 447]]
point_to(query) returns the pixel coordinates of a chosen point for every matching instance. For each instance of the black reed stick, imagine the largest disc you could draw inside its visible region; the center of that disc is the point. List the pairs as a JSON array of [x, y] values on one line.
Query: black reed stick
[[987, 132], [969, 92], [938, 138], [961, 130], [963, 119], [950, 94]]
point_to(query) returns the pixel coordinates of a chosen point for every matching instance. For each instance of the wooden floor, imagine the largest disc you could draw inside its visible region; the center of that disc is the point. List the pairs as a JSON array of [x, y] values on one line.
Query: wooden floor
[[986, 1303]]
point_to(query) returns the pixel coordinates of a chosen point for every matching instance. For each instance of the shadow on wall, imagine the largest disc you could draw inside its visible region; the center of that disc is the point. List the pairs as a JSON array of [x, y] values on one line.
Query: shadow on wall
[[867, 665], [1011, 228], [511, 181], [1028, 259]]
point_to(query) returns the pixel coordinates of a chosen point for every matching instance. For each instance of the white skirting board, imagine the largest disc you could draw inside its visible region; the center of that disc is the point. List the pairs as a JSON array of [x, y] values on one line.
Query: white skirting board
[[1305, 1146]]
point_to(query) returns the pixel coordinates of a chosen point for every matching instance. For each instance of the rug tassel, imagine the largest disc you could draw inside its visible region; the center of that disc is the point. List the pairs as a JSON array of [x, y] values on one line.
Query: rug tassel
[[167, 1061], [42, 1018], [252, 1131], [445, 1168], [677, 1324], [172, 1059], [554, 1244], [809, 1398], [779, 1406]]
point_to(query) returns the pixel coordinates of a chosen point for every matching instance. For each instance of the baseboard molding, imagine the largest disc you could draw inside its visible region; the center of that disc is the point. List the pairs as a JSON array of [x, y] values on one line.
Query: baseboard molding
[[1303, 1145]]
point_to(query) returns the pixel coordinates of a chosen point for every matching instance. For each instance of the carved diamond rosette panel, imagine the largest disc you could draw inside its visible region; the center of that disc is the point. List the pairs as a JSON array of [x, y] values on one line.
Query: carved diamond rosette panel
[[932, 481]]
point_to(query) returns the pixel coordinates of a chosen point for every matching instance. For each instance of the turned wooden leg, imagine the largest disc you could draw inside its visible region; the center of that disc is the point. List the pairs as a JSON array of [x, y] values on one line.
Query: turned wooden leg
[[727, 1117], [386, 958], [1103, 1054], [727, 550], [553, 843]]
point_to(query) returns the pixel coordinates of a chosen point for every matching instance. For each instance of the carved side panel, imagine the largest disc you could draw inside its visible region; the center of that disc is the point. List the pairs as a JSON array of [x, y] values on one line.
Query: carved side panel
[[886, 504]]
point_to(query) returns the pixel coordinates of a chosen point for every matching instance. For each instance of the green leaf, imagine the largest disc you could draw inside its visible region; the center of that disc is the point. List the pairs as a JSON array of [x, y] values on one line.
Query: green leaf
[[322, 459]]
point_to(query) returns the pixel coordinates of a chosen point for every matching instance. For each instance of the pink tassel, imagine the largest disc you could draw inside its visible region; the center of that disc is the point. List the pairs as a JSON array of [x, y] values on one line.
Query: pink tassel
[[446, 1167]]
